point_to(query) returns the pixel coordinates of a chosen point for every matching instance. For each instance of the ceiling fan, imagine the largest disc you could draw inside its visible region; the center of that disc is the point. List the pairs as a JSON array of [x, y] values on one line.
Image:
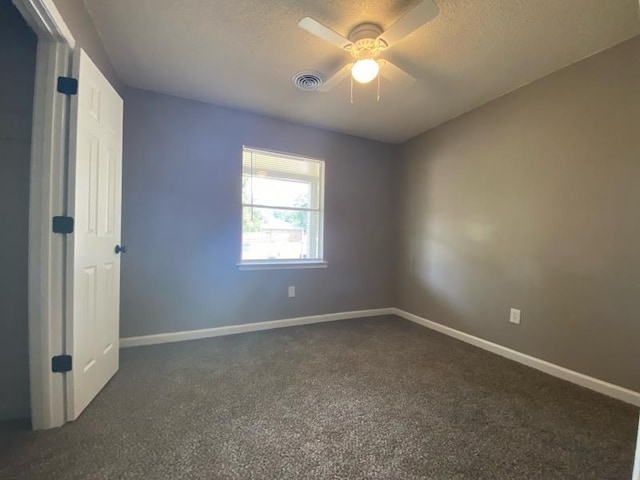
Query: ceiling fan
[[367, 41]]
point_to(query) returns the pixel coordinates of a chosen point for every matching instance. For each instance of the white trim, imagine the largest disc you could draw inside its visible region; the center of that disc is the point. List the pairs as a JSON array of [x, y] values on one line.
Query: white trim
[[636, 464], [283, 265], [248, 327], [46, 250], [600, 386], [46, 199], [45, 20]]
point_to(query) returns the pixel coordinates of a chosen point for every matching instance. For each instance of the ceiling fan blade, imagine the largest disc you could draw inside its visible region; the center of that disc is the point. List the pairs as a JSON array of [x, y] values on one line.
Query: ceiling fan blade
[[391, 72], [410, 22], [325, 33], [337, 77]]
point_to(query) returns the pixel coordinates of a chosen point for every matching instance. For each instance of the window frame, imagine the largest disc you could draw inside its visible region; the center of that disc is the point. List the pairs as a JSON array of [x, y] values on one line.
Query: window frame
[[317, 188]]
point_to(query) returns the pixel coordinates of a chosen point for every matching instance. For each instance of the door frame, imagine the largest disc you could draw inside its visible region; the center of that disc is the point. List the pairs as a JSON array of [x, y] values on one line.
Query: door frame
[[47, 198], [636, 463]]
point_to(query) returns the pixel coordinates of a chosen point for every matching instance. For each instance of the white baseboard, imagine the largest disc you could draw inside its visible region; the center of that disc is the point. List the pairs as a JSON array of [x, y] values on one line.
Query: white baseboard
[[248, 327], [600, 386]]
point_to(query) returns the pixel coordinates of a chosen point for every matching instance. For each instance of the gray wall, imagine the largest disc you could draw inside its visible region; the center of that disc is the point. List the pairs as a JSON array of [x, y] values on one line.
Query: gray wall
[[77, 18], [531, 202], [182, 219], [16, 104]]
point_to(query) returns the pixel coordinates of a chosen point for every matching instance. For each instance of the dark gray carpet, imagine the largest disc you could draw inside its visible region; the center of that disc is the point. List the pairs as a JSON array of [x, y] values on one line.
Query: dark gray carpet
[[374, 398]]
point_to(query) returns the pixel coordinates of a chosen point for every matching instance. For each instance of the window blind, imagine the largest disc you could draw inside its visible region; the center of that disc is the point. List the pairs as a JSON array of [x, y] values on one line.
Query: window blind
[[282, 199]]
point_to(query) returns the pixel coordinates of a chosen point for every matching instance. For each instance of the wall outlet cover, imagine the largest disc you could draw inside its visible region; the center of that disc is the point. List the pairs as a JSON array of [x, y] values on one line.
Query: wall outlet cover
[[292, 292], [514, 317]]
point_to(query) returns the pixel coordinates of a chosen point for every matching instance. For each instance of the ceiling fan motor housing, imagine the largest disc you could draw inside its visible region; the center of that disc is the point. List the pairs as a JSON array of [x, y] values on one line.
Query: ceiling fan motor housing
[[365, 31]]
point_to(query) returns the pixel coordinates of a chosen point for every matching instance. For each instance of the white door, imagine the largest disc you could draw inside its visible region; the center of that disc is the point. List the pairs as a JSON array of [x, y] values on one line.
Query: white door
[[93, 273]]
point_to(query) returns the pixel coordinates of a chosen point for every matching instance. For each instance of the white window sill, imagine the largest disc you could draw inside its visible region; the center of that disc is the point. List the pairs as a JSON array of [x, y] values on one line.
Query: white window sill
[[282, 265]]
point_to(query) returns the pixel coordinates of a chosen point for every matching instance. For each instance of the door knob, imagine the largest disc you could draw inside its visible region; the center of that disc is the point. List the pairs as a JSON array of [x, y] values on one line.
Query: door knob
[[121, 249]]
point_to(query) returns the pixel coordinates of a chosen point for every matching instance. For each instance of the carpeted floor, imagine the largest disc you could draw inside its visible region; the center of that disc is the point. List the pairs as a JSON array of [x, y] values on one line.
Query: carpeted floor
[[372, 398]]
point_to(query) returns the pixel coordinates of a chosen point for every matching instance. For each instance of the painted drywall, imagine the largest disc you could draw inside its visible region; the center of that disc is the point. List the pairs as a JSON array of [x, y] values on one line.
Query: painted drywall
[[531, 201], [242, 53], [77, 18], [16, 105], [182, 219]]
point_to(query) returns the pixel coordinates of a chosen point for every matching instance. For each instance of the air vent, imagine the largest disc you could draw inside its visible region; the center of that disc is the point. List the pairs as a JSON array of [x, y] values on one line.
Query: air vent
[[307, 81]]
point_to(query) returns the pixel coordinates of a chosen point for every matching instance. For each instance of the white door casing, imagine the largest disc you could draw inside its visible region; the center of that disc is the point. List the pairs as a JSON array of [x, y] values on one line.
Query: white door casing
[[636, 464], [47, 198], [93, 266]]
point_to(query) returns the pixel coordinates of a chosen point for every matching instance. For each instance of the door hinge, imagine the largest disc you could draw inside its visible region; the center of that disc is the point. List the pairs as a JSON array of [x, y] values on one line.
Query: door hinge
[[68, 85], [61, 363], [62, 224]]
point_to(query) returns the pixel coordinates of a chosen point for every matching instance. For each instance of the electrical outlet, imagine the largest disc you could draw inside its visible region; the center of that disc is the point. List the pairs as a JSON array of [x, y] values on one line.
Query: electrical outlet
[[292, 292], [514, 317]]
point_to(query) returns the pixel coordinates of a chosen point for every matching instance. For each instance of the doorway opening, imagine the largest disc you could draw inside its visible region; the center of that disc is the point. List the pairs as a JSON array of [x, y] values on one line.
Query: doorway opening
[[16, 106], [46, 198]]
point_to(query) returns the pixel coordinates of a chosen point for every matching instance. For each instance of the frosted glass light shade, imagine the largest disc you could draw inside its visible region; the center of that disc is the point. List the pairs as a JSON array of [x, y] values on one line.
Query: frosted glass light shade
[[365, 70]]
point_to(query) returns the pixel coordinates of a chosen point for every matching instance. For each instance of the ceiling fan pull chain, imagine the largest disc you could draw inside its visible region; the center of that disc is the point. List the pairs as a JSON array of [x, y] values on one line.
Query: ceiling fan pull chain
[[351, 88], [378, 99]]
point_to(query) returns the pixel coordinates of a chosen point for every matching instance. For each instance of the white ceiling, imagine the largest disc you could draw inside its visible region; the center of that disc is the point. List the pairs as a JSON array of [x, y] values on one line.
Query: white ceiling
[[242, 53]]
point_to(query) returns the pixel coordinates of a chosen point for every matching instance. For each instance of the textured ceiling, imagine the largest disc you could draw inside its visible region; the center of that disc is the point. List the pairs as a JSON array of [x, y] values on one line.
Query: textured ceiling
[[242, 53]]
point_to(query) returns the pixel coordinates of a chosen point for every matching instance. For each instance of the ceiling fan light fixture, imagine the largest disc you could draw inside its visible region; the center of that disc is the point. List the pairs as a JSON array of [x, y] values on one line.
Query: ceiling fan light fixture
[[365, 70], [367, 41]]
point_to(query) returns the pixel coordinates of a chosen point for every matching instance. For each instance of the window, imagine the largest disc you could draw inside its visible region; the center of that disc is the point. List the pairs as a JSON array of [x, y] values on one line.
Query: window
[[282, 209]]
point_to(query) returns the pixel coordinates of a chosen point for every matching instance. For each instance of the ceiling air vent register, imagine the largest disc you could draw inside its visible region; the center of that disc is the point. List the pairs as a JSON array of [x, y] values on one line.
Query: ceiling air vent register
[[307, 81]]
